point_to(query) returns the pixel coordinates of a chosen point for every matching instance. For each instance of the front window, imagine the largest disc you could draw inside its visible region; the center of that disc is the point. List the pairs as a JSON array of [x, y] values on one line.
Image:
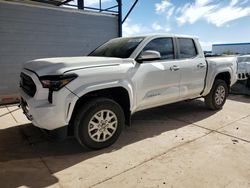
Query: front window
[[119, 47], [162, 45]]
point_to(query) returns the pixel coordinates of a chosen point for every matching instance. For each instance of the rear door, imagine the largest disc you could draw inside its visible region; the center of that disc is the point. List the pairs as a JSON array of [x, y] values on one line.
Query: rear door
[[192, 68]]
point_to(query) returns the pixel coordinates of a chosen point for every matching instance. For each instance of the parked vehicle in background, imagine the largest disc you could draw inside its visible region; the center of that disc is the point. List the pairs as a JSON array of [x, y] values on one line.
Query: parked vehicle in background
[[95, 96], [244, 68]]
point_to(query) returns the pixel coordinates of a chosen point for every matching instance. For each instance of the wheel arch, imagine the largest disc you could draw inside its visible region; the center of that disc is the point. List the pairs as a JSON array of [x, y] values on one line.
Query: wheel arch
[[225, 76], [119, 94]]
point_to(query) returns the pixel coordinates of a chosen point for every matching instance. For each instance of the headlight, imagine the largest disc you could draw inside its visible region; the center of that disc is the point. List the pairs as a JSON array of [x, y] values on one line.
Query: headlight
[[55, 83]]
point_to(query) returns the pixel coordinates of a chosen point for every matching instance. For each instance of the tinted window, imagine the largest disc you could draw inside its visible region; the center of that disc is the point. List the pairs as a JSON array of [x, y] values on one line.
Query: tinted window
[[120, 47], [187, 48], [162, 45]]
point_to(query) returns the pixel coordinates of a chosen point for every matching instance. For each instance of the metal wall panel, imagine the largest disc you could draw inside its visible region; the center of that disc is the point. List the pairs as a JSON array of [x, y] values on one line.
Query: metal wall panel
[[31, 31]]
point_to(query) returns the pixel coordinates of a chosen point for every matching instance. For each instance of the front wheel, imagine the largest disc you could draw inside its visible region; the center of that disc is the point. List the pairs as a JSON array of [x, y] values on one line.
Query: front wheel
[[99, 123], [217, 96]]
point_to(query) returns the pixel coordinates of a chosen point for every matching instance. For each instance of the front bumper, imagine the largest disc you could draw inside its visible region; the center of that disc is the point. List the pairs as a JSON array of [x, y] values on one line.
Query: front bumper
[[43, 114]]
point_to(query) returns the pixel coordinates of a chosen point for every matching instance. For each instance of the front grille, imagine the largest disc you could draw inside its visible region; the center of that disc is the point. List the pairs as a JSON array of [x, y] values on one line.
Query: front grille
[[27, 85]]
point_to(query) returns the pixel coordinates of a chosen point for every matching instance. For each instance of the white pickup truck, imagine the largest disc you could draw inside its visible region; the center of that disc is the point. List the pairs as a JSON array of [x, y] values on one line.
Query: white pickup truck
[[94, 96]]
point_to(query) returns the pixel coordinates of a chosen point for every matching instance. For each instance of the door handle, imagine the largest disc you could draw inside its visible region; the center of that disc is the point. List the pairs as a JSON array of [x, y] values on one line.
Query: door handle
[[200, 65], [174, 68]]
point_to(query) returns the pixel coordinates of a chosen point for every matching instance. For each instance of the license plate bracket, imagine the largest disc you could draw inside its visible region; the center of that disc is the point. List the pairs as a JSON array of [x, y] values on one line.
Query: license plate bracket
[[25, 109]]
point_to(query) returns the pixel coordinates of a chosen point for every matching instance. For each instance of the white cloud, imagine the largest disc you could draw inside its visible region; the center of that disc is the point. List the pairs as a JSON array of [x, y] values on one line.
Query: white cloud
[[234, 2], [227, 14], [162, 6], [167, 29], [182, 9], [130, 28], [156, 26], [170, 12], [242, 2], [166, 7], [190, 13], [203, 2], [211, 12]]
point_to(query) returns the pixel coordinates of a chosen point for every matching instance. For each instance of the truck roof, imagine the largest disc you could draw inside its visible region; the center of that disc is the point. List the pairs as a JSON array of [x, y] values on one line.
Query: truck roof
[[163, 35]]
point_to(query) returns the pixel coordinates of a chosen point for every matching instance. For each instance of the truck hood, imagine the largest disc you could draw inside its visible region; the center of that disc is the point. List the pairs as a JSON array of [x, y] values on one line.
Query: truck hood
[[60, 65]]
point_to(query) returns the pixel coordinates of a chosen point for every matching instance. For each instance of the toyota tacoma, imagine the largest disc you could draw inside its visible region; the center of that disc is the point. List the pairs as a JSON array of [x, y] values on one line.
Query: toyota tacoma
[[94, 96]]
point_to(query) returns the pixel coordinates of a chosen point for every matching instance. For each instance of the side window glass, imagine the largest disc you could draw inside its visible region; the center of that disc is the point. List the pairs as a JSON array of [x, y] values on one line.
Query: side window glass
[[162, 45], [187, 48]]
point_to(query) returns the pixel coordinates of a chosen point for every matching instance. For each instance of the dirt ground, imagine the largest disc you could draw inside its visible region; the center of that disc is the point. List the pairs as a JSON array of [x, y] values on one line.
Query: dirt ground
[[178, 145]]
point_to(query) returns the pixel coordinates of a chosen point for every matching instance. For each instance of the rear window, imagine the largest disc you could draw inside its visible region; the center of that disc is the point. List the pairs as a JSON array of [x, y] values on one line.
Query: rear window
[[187, 48]]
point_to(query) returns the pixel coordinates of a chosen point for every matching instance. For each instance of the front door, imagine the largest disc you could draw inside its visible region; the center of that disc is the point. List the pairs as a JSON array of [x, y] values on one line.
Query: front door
[[157, 82]]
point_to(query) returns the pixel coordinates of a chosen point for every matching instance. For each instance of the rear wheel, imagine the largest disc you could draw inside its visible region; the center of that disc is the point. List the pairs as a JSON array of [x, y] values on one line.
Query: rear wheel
[[217, 96], [99, 123]]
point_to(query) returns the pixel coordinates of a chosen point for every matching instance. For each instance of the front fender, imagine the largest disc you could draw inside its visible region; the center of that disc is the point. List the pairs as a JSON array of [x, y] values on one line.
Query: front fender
[[85, 89]]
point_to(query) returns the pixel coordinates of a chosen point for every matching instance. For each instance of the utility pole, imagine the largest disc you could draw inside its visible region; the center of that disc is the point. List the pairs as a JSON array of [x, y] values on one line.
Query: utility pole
[[80, 4], [119, 2]]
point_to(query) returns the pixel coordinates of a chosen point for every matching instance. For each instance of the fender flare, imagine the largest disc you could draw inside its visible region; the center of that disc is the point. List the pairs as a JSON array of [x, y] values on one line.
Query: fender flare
[[83, 90], [209, 84]]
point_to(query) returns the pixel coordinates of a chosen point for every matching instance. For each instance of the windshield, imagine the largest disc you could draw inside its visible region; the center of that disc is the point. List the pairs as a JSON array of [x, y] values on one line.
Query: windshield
[[119, 47]]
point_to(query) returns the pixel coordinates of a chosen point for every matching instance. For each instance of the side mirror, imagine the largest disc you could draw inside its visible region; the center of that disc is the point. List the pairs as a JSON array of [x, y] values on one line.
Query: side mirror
[[149, 55]]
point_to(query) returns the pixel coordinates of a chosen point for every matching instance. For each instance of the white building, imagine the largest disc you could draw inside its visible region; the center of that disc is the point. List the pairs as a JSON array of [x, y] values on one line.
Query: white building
[[239, 48]]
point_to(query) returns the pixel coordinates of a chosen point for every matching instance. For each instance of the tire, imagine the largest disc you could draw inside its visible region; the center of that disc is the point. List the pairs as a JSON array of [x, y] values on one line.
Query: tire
[[217, 96], [90, 128]]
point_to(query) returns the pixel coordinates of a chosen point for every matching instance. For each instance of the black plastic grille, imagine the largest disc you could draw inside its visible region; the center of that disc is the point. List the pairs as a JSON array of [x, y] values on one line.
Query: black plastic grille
[[27, 85]]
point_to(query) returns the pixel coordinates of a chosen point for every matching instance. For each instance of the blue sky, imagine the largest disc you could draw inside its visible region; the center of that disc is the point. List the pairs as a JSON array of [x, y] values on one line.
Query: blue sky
[[213, 21]]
